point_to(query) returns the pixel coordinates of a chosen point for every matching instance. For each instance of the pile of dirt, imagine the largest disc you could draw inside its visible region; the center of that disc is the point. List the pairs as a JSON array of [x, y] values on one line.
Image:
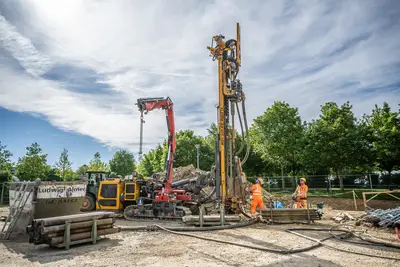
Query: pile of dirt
[[186, 172]]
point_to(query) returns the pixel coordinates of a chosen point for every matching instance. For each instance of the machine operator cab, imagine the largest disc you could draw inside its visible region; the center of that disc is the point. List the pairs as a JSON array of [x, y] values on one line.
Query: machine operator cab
[[115, 194]]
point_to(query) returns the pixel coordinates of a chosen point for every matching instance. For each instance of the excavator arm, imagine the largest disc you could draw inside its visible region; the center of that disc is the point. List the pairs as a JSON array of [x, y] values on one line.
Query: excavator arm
[[147, 104]]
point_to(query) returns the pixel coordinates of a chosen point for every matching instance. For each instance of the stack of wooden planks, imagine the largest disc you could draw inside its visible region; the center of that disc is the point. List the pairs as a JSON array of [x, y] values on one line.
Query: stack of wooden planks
[[64, 231], [291, 215]]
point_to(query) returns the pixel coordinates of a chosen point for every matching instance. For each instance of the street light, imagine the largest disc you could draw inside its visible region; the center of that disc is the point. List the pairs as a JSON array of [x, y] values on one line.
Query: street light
[[198, 158]]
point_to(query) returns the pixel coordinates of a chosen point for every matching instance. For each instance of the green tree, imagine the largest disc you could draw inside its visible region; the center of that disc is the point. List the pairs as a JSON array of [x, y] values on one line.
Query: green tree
[[186, 152], [34, 164], [123, 163], [145, 167], [64, 165], [335, 141], [5, 163], [96, 164], [81, 171], [277, 137], [385, 136]]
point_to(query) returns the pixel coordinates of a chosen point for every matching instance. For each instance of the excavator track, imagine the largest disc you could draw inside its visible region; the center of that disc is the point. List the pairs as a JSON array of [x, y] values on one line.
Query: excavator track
[[145, 212]]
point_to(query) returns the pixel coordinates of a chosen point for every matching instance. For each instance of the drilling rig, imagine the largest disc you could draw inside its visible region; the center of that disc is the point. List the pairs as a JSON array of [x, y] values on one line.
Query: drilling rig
[[229, 176]]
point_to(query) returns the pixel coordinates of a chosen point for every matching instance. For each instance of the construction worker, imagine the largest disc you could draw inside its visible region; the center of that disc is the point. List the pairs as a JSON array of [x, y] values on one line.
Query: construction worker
[[300, 195], [256, 196]]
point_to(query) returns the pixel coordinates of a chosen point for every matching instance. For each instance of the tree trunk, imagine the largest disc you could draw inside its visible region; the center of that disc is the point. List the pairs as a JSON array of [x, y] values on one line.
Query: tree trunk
[[390, 180], [340, 181]]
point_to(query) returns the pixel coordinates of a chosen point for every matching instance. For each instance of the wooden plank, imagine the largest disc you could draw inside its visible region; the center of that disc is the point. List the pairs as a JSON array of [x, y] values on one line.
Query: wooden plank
[[393, 196]]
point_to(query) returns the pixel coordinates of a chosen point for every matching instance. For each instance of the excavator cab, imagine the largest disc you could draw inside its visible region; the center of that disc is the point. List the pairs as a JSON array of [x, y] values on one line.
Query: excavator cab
[[94, 179], [115, 194]]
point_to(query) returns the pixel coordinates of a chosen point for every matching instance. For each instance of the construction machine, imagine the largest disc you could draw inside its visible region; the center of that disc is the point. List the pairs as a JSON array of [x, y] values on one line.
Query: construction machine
[[93, 179], [229, 176], [153, 198]]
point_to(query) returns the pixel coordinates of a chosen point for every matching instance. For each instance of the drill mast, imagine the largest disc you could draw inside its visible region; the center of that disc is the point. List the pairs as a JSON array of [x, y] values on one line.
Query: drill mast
[[230, 178]]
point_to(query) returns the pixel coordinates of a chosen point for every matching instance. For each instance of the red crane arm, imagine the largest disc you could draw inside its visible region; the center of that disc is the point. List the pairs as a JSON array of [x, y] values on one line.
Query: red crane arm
[[148, 104]]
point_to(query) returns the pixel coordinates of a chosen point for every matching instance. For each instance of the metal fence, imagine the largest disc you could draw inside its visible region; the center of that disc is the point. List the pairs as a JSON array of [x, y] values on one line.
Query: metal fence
[[289, 183], [329, 182]]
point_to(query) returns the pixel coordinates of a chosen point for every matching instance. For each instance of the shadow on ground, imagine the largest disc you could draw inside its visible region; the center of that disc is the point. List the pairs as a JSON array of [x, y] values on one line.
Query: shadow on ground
[[46, 254]]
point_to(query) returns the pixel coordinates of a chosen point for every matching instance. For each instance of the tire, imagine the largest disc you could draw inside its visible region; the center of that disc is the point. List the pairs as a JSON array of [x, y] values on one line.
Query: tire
[[89, 203]]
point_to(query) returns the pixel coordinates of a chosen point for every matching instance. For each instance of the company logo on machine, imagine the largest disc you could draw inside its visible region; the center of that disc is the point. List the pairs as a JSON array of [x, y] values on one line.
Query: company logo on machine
[[61, 191]]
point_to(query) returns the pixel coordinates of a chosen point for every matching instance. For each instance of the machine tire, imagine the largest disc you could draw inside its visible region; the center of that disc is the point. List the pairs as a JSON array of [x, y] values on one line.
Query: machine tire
[[89, 203]]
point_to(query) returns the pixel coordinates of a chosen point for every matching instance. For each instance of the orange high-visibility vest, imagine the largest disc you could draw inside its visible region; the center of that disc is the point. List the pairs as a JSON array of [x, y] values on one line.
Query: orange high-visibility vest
[[302, 189], [256, 190]]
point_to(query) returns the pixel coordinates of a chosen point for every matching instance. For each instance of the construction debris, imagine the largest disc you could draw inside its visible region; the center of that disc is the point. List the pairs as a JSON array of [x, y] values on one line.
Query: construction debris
[[63, 231], [342, 217], [382, 218], [186, 172]]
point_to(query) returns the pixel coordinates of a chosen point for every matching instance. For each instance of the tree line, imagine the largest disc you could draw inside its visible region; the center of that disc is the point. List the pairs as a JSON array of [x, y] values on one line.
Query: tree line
[[34, 165], [281, 143], [336, 143]]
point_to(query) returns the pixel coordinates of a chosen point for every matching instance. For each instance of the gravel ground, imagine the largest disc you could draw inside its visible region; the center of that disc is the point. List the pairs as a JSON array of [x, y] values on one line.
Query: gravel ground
[[165, 249]]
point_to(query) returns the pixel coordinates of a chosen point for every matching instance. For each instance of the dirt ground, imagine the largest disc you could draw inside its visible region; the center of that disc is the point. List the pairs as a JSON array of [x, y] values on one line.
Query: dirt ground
[[166, 249]]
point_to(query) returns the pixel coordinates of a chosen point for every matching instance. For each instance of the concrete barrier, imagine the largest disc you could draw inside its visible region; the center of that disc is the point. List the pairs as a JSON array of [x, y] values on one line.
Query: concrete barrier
[[48, 199]]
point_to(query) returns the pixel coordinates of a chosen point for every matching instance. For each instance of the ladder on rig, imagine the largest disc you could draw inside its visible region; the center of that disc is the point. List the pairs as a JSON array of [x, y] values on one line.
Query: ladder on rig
[[15, 210]]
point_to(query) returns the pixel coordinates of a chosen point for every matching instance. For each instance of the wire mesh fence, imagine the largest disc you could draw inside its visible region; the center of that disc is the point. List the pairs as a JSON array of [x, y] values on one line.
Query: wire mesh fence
[[289, 183], [329, 182]]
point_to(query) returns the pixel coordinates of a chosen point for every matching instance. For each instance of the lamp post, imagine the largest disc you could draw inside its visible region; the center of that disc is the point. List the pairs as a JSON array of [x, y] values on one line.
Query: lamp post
[[198, 155]]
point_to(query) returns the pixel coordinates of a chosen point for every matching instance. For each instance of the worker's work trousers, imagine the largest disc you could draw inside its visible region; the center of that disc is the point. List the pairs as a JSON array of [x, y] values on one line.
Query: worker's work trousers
[[301, 204], [256, 201]]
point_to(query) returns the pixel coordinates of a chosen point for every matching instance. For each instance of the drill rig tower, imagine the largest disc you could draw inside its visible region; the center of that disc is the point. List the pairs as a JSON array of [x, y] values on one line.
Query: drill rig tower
[[230, 178]]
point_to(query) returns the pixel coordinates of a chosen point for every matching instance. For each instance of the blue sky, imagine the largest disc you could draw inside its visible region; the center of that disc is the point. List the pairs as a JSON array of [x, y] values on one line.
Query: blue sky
[[71, 71]]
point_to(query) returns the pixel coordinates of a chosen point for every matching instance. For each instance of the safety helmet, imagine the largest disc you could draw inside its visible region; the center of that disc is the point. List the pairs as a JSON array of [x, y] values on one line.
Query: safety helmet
[[304, 179], [260, 180]]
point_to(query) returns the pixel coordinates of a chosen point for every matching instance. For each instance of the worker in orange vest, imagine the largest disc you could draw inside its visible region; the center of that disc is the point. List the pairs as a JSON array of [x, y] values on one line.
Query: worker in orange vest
[[256, 196], [300, 195]]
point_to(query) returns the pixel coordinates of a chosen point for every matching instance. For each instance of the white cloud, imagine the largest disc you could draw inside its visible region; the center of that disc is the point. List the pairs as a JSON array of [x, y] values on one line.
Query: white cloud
[[158, 48]]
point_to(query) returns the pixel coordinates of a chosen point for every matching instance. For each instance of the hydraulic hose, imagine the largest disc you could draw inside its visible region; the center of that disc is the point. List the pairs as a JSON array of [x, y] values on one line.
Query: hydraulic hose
[[347, 233], [319, 242], [247, 133], [241, 127], [154, 227]]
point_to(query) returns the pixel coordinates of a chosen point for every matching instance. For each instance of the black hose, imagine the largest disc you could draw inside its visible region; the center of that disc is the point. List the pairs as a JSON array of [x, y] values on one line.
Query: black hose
[[247, 133], [319, 242], [292, 231], [367, 241], [153, 227], [241, 127]]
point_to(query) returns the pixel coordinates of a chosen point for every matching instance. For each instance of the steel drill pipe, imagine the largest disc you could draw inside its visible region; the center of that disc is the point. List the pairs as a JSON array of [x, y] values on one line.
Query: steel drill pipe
[[60, 220], [76, 231], [76, 225], [74, 237]]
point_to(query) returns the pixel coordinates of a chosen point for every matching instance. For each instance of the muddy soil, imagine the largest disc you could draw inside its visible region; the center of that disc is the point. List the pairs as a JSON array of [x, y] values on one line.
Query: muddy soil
[[166, 249]]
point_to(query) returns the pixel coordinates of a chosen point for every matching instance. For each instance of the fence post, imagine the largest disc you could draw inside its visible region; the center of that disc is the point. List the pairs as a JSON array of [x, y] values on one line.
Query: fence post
[[2, 194], [269, 184], [370, 180], [330, 184]]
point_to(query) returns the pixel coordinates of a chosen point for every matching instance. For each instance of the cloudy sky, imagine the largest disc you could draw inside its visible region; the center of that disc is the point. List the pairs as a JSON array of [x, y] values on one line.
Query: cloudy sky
[[71, 71]]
